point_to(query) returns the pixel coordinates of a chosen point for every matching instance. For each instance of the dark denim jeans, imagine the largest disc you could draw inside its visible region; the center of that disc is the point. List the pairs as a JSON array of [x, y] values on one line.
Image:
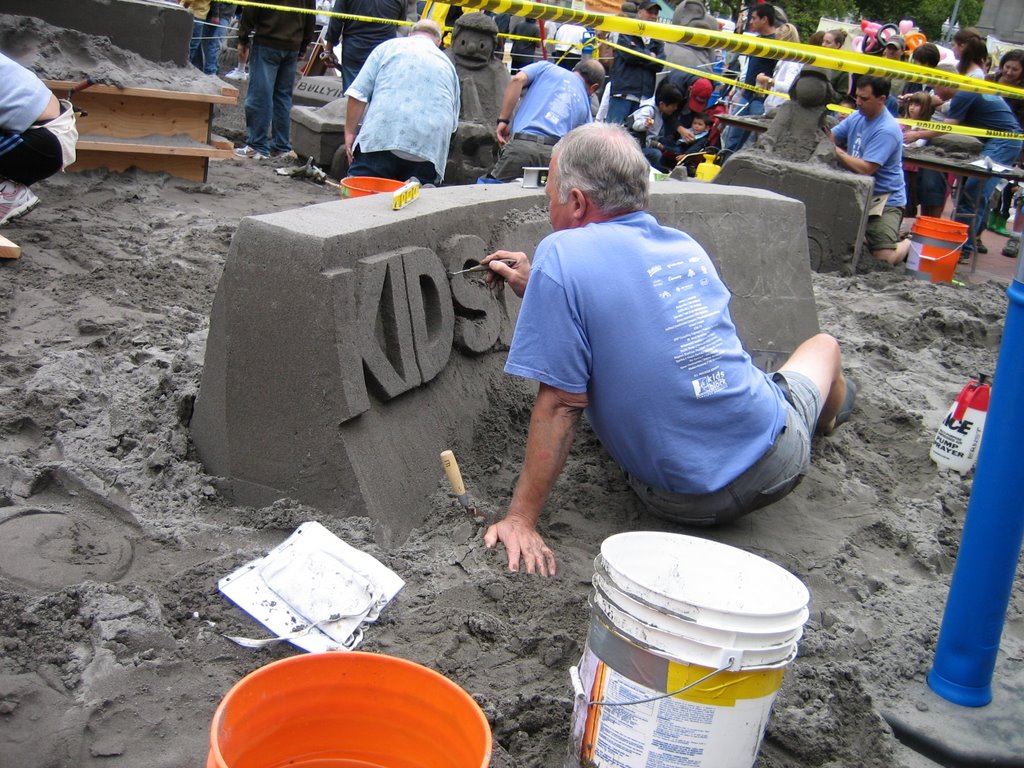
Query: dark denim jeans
[[733, 139], [619, 109], [387, 165], [268, 102], [204, 50]]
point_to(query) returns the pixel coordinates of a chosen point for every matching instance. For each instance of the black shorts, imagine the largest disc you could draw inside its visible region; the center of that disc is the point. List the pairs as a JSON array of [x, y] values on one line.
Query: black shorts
[[33, 155]]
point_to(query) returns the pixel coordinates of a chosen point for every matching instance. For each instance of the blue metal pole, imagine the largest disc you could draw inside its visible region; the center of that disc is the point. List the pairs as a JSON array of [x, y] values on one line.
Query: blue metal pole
[[979, 594]]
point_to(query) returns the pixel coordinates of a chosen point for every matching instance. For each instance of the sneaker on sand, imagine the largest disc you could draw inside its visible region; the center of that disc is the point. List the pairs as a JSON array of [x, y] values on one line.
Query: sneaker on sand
[[288, 154], [1012, 247], [237, 74], [15, 200], [250, 153]]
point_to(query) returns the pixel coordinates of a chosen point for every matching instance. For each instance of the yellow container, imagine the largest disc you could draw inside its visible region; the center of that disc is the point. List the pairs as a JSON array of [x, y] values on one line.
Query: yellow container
[[707, 170]]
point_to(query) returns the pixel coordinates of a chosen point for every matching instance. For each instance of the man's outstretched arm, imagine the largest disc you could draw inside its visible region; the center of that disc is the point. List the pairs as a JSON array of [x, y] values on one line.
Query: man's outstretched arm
[[552, 429]]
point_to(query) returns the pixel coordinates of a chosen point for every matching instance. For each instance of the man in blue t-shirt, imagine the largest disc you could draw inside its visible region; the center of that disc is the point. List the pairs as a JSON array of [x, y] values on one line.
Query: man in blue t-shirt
[[551, 102], [870, 142], [978, 110], [629, 321]]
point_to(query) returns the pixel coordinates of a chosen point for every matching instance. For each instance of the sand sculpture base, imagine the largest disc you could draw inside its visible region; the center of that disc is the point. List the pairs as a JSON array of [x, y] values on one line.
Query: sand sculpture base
[[342, 359], [836, 202]]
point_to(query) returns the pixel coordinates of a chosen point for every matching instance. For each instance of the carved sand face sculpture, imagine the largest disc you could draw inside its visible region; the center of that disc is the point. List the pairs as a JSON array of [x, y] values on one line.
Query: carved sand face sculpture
[[474, 40]]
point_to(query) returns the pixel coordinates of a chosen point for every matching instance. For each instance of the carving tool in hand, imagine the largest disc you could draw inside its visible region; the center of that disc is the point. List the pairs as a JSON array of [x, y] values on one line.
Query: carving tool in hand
[[480, 268], [451, 468]]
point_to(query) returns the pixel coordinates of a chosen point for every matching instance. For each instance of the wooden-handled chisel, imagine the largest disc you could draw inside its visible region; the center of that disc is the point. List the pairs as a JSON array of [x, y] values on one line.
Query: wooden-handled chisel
[[451, 469]]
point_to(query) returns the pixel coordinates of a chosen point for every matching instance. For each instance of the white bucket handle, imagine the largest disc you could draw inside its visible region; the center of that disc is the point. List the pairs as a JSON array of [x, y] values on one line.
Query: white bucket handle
[[947, 253], [580, 693]]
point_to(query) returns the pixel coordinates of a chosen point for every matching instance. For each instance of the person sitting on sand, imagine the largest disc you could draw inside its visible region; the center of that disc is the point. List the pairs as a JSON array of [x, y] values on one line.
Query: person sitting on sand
[[702, 435], [870, 142], [37, 137]]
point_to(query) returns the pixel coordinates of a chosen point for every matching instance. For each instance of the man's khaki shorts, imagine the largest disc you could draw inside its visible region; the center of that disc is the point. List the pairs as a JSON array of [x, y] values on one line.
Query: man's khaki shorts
[[883, 232]]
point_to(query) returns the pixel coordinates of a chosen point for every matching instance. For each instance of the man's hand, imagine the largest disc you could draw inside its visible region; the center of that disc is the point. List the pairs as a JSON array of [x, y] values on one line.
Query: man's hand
[[504, 134], [243, 53], [521, 540], [350, 140], [685, 134], [516, 275], [327, 57]]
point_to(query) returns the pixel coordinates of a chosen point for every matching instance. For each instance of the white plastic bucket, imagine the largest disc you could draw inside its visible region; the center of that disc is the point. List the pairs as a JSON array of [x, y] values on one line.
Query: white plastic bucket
[[670, 612]]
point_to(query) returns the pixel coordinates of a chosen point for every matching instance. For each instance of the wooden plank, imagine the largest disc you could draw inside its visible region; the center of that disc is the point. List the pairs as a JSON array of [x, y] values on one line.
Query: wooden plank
[[128, 117], [218, 141], [227, 95], [98, 144], [9, 250], [188, 167]]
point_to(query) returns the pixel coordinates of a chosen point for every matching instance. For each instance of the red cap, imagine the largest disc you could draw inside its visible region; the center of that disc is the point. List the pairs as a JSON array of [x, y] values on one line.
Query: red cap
[[700, 92]]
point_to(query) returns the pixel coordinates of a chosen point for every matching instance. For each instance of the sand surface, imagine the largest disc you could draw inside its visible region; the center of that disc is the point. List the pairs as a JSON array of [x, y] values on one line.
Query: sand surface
[[112, 538]]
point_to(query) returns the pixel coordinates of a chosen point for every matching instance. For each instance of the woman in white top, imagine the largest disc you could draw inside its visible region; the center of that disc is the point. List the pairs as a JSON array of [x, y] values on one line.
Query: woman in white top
[[785, 71]]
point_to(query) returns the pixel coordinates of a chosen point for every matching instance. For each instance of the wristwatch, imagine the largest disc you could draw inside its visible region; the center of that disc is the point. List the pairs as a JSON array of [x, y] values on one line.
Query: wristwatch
[[503, 120]]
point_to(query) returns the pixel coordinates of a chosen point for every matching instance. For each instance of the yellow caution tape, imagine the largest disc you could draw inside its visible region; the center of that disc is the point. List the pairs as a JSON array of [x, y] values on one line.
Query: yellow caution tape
[[844, 61], [928, 125], [347, 16], [744, 44], [698, 72]]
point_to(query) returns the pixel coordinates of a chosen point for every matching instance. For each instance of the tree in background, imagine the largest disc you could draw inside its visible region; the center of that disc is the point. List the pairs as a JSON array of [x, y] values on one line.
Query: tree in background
[[927, 14]]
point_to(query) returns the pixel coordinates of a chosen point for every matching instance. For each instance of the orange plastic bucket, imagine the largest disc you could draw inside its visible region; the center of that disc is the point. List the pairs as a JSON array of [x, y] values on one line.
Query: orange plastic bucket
[[360, 186], [348, 710], [935, 248]]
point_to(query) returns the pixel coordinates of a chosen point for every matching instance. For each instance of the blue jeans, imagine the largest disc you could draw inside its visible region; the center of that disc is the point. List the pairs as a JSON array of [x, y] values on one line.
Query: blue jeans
[[972, 207], [268, 102], [195, 45], [734, 138], [387, 165], [619, 109], [349, 71], [213, 38]]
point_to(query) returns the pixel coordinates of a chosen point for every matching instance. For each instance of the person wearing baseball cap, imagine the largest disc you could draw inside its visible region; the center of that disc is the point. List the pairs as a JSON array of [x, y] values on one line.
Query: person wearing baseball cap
[[894, 47], [700, 93]]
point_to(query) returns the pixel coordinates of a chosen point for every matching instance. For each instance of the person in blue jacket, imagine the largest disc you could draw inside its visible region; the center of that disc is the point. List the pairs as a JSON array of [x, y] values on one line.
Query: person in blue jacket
[[633, 78]]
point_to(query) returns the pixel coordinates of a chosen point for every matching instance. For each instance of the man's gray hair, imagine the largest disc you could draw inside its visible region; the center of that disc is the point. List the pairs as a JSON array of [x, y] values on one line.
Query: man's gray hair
[[427, 27], [605, 163], [591, 71]]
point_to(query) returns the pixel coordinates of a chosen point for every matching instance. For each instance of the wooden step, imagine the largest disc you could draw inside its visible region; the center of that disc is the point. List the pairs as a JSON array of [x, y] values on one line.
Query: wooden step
[[147, 128], [9, 250]]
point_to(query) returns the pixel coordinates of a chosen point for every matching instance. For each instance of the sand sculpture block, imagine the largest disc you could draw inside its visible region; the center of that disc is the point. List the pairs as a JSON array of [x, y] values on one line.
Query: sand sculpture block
[[318, 132], [836, 201], [157, 31], [318, 90], [342, 359]]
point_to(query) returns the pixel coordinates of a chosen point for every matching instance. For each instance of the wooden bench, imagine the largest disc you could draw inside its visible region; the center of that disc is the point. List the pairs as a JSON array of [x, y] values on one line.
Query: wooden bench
[[146, 128]]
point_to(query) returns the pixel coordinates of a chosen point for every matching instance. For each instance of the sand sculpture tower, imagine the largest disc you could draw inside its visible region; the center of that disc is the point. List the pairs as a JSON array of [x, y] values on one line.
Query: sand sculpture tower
[[482, 79]]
